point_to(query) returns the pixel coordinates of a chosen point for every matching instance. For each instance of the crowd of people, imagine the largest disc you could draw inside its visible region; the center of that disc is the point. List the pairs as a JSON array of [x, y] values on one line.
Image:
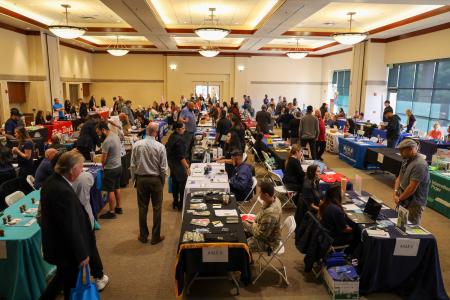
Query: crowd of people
[[68, 222]]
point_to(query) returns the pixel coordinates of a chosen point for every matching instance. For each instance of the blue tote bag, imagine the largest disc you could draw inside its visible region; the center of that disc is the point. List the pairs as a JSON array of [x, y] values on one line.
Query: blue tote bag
[[84, 291]]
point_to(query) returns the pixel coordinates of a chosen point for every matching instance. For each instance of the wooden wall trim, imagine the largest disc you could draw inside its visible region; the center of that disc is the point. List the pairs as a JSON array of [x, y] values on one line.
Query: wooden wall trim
[[412, 34], [12, 77], [337, 52], [62, 43]]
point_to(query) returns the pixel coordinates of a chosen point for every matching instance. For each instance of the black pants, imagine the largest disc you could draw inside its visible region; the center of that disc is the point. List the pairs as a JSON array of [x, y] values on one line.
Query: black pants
[[85, 151], [178, 190], [95, 262], [312, 146], [149, 187], [392, 142], [321, 145], [65, 279]]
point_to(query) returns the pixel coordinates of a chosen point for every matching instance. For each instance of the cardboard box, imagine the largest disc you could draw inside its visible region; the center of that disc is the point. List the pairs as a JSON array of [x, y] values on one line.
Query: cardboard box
[[348, 290]]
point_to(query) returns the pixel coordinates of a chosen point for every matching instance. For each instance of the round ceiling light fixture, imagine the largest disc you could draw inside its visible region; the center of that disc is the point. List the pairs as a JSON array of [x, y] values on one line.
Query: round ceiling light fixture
[[349, 38], [117, 50], [66, 31], [212, 33], [297, 54], [209, 51]]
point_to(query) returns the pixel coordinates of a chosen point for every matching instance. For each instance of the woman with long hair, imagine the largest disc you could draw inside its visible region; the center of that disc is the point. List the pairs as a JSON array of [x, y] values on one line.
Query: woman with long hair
[[294, 174], [39, 119], [232, 142], [333, 218], [310, 190], [24, 152]]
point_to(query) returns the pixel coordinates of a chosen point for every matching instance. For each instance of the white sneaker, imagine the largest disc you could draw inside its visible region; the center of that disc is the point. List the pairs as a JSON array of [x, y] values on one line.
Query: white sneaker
[[101, 283]]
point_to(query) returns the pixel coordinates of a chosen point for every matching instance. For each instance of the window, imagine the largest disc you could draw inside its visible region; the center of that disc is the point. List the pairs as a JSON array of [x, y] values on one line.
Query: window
[[341, 84], [423, 87]]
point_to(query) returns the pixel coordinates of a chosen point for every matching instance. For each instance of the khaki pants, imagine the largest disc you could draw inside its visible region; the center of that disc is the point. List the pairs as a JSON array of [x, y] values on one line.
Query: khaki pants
[[415, 214], [149, 187]]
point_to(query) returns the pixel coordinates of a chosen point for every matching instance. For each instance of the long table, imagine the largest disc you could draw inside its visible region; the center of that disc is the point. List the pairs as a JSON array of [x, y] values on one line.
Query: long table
[[333, 141], [23, 270], [386, 158], [354, 152], [195, 259], [429, 147], [381, 270], [439, 192]]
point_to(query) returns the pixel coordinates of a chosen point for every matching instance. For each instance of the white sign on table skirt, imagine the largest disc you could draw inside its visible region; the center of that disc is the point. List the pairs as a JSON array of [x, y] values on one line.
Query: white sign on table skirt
[[406, 247], [215, 254]]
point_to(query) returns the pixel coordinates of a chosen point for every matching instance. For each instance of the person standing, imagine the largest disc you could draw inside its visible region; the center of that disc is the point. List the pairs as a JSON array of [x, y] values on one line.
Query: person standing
[[293, 128], [66, 231], [285, 119], [148, 168], [112, 169], [187, 117], [58, 108], [82, 187], [321, 140], [263, 120], [88, 139], [323, 109], [83, 111], [178, 164], [309, 131], [222, 128], [411, 185], [411, 121], [126, 109], [387, 109], [92, 104], [266, 100], [392, 129]]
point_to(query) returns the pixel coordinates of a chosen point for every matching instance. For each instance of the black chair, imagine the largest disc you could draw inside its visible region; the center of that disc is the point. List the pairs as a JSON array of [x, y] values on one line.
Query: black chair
[[10, 186]]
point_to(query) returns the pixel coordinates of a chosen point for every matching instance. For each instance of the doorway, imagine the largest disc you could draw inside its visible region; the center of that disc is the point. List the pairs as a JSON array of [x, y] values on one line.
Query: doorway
[[73, 92], [205, 89]]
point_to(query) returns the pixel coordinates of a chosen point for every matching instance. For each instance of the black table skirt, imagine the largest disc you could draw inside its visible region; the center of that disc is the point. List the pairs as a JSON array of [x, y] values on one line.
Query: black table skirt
[[392, 162], [189, 256]]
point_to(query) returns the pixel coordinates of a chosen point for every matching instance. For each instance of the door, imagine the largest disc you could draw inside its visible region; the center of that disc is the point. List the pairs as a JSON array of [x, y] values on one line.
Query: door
[[205, 89], [73, 91]]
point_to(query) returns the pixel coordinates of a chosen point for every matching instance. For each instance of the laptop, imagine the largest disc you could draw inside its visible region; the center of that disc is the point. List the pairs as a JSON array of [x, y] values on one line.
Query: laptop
[[369, 215]]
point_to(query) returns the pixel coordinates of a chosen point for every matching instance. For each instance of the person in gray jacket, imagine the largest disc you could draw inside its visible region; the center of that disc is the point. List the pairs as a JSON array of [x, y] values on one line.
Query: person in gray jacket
[[308, 131]]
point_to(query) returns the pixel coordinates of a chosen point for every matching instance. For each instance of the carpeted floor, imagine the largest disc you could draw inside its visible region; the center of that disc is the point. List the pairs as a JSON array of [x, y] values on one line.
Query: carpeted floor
[[143, 271]]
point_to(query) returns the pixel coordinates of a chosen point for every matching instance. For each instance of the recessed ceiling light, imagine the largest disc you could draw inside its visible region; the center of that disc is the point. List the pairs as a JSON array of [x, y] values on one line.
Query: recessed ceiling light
[[27, 28], [185, 22], [329, 23], [236, 23], [118, 21]]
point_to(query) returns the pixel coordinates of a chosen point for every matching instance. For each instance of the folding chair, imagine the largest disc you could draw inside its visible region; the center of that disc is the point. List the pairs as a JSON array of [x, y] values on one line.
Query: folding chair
[[256, 158], [30, 181], [281, 189], [249, 196], [289, 226], [14, 197]]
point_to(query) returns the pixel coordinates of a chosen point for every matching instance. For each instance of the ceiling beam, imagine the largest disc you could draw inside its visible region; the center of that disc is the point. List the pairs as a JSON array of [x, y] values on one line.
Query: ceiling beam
[[141, 17], [287, 16]]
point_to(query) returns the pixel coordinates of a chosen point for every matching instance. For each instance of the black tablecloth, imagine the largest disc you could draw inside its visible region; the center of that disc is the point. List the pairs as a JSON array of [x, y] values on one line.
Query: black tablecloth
[[429, 147], [189, 256], [410, 277], [392, 162]]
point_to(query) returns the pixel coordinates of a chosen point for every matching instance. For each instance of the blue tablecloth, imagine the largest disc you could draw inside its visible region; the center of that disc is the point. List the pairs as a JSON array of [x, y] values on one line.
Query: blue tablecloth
[[354, 152], [97, 200], [341, 123], [429, 147], [382, 133], [163, 129], [23, 272]]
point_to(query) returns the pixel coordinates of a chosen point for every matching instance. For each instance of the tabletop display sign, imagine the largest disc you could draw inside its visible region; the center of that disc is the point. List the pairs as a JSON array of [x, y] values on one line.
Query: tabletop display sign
[[357, 186], [215, 254], [349, 152], [406, 247], [380, 158], [402, 219]]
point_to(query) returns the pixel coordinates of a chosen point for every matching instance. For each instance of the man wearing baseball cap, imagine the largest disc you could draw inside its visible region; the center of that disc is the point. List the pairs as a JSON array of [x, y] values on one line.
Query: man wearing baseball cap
[[411, 186], [12, 123]]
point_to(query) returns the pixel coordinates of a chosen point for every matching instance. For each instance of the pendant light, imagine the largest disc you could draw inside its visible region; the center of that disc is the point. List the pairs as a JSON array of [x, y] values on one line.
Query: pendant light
[[297, 54], [209, 51], [66, 31], [116, 50], [350, 38], [212, 33]]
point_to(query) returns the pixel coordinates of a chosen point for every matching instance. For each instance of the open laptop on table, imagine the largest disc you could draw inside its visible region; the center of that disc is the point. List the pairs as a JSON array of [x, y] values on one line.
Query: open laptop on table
[[369, 215]]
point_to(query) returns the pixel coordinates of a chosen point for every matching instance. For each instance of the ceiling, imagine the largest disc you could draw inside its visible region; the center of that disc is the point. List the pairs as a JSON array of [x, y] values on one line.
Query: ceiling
[[258, 27]]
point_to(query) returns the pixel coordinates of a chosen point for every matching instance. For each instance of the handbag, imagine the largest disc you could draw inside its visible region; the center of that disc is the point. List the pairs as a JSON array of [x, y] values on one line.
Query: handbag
[[84, 291]]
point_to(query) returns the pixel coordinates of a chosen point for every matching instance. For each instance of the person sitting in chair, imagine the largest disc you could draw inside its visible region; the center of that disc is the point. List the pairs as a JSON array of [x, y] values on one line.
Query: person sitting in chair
[[241, 179], [264, 230], [260, 146], [333, 218]]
